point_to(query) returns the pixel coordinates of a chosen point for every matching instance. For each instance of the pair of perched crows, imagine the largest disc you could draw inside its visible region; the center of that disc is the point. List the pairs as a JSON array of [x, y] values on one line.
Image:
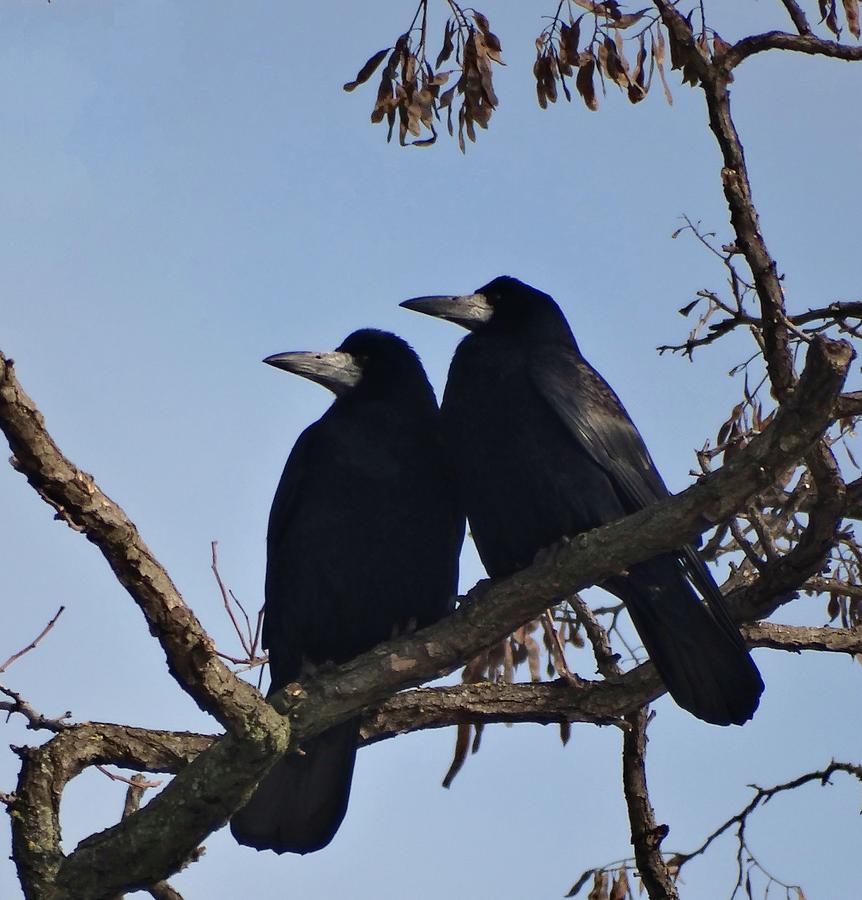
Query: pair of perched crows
[[368, 519]]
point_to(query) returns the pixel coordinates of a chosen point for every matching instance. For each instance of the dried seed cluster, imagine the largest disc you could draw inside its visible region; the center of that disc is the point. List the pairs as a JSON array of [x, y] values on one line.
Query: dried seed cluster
[[410, 87]]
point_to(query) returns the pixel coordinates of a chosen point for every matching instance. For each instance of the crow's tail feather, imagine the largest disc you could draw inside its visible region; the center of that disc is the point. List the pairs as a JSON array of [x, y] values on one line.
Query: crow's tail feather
[[697, 650], [300, 803]]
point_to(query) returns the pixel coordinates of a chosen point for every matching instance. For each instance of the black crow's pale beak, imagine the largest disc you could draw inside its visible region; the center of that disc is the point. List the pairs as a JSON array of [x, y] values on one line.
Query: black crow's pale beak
[[470, 311], [338, 372]]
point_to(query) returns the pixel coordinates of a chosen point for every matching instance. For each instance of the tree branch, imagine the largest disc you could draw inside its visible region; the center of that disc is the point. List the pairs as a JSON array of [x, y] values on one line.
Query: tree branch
[[779, 581], [36, 721], [544, 703], [782, 40], [646, 834], [32, 645], [836, 313], [79, 502], [796, 638], [763, 795], [849, 405], [137, 785], [136, 853], [714, 77], [798, 16]]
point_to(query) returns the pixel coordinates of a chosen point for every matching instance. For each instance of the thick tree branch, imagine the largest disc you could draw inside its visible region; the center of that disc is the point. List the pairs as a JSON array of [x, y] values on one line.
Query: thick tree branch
[[544, 703], [79, 502], [139, 852], [796, 638], [46, 770], [782, 40]]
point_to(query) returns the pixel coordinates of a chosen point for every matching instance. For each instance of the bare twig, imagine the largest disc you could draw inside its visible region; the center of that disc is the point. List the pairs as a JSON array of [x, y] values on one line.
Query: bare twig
[[248, 640], [763, 795], [135, 781], [34, 642]]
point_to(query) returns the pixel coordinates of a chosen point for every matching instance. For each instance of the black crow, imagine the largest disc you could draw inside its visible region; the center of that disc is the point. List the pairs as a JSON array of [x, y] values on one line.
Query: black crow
[[544, 449], [363, 542]]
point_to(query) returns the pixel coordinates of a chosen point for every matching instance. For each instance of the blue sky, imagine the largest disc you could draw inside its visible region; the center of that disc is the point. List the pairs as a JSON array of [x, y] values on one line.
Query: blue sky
[[186, 189]]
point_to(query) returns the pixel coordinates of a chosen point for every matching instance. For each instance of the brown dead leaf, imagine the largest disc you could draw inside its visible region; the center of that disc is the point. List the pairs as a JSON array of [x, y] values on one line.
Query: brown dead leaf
[[830, 16], [637, 85], [620, 888], [626, 20], [570, 36], [448, 44], [658, 46], [600, 887], [613, 64], [462, 745], [584, 83], [386, 100], [367, 70], [851, 11]]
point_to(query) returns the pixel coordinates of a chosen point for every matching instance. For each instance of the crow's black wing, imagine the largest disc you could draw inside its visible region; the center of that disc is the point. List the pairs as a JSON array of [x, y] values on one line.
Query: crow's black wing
[[598, 421], [596, 418]]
